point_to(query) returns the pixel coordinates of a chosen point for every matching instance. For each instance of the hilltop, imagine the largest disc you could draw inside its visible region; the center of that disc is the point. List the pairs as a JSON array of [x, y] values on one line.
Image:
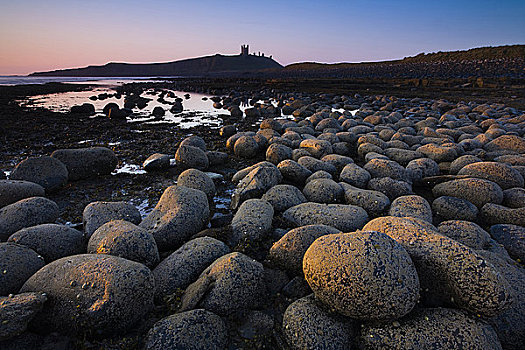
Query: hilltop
[[500, 61], [208, 65]]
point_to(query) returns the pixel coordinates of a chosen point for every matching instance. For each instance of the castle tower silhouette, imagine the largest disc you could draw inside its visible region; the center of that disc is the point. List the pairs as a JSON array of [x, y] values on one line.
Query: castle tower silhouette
[[244, 50]]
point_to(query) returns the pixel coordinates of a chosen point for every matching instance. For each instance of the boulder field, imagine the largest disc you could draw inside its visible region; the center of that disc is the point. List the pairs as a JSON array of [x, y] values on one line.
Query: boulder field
[[352, 222]]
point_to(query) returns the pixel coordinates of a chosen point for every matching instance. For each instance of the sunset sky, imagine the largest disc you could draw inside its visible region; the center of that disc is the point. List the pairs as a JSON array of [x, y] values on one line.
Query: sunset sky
[[44, 35]]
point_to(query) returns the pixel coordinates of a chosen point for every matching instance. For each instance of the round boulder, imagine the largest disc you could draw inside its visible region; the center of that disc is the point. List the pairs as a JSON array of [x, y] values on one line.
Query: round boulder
[[17, 264], [156, 162], [289, 251], [450, 208], [307, 324], [234, 282], [192, 157], [12, 191], [413, 206], [52, 241], [363, 275], [196, 179], [126, 240], [502, 174], [323, 191], [92, 294], [97, 214], [431, 329], [26, 213], [48, 172], [184, 266], [282, 197], [346, 218], [195, 329], [85, 163]]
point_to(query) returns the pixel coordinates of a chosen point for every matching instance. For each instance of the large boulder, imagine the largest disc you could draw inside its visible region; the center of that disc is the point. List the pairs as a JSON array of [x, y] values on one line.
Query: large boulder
[[192, 157], [25, 213], [97, 214], [48, 172], [502, 174], [449, 272], [16, 311], [477, 191], [85, 163], [252, 221], [180, 213], [256, 183], [374, 202], [183, 267], [52, 241], [92, 294], [231, 284], [431, 329], [282, 197], [512, 237], [412, 206], [293, 172], [465, 232], [510, 324], [195, 329], [450, 208], [157, 162], [354, 175], [288, 252], [506, 143], [17, 264], [363, 275], [346, 218], [498, 214], [126, 240], [12, 191], [323, 191], [307, 324], [196, 179]]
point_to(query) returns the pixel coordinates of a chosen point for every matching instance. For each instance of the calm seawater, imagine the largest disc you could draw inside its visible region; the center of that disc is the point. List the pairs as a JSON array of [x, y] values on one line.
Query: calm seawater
[[25, 80]]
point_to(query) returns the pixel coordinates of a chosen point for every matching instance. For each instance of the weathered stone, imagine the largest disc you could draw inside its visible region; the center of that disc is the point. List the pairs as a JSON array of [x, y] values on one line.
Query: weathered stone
[[276, 153], [282, 197], [195, 329], [449, 208], [465, 232], [346, 218], [234, 282], [97, 214], [374, 202], [180, 213], [12, 191], [84, 163], [477, 191], [198, 180], [17, 264], [309, 325], [449, 272], [502, 174], [48, 172], [512, 237], [363, 275], [156, 162], [256, 183], [17, 311], [26, 213], [126, 240], [498, 214], [289, 251], [390, 187], [184, 266], [431, 329], [252, 221], [246, 147], [323, 191], [191, 157], [412, 206], [51, 241], [92, 294], [354, 175]]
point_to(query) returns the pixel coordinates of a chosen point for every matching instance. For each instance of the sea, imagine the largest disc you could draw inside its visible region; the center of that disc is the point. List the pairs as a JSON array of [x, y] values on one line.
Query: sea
[[25, 80]]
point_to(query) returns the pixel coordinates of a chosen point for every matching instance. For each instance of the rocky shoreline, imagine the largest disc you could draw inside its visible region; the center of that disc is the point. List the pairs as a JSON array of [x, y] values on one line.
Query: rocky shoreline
[[307, 221]]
